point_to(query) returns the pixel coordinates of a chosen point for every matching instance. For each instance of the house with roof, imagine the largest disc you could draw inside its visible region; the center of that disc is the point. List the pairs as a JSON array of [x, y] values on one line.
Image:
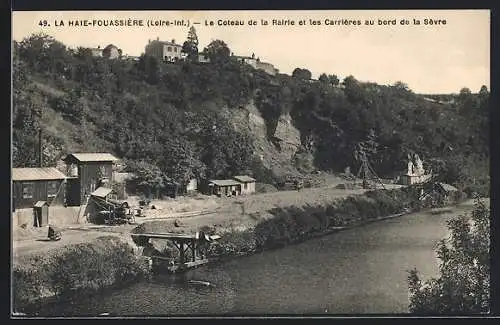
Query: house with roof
[[86, 172], [203, 58], [250, 60], [267, 68], [37, 185], [166, 51], [256, 63], [247, 184], [224, 187], [96, 51], [111, 52]]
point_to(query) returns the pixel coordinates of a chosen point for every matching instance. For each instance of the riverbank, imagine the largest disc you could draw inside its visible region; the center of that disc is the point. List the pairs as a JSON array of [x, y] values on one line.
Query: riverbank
[[111, 260], [296, 224], [72, 270]]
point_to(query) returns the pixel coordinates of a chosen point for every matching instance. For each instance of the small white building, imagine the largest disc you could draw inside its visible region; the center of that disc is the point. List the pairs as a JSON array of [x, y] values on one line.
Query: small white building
[[192, 185], [415, 173], [414, 179], [250, 60], [203, 58], [247, 184]]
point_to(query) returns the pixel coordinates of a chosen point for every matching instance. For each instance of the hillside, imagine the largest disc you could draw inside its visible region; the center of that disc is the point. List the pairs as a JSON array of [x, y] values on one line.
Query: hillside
[[187, 119]]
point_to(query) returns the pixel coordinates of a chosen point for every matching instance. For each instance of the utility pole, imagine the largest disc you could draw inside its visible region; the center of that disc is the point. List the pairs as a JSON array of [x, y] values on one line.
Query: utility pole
[[40, 149]]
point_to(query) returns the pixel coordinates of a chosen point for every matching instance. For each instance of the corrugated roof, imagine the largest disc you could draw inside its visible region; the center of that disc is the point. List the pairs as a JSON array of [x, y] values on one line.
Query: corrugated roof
[[101, 192], [92, 156], [244, 178], [448, 187], [36, 174], [40, 204], [224, 182]]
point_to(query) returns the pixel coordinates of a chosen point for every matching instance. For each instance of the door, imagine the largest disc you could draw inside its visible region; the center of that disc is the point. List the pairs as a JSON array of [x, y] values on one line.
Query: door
[[44, 220], [38, 218]]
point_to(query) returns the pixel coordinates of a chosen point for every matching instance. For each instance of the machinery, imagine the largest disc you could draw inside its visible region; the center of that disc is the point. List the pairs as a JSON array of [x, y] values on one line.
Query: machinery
[[114, 212], [370, 180]]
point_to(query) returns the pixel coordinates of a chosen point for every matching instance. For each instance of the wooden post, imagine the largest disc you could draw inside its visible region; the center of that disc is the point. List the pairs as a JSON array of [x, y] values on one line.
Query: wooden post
[[181, 253], [193, 249]]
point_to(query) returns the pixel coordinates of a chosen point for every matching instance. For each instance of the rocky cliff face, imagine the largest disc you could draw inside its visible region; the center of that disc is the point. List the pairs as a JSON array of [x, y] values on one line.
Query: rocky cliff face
[[288, 135], [275, 155]]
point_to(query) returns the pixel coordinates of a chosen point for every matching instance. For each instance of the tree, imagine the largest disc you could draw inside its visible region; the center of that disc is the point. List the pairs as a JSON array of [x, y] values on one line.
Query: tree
[[83, 53], [190, 46], [484, 91], [352, 89], [302, 74], [401, 86], [182, 163], [148, 178], [464, 94], [43, 53], [349, 81], [217, 51], [464, 273], [334, 80], [323, 78], [367, 148]]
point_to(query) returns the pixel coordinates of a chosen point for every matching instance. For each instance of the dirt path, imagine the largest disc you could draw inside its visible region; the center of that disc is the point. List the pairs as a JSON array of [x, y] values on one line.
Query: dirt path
[[226, 213]]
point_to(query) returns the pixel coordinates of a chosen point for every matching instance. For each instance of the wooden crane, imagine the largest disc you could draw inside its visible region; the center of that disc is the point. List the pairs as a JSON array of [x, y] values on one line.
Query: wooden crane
[[367, 174]]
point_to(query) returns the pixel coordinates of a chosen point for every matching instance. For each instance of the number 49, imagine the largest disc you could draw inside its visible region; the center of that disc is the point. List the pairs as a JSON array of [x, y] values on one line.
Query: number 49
[[43, 23]]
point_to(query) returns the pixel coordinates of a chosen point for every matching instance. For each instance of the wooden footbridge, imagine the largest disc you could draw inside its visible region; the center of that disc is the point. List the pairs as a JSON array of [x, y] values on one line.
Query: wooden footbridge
[[191, 248]]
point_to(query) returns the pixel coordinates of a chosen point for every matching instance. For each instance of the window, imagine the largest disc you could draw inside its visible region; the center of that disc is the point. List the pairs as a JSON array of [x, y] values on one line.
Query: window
[[169, 49], [175, 49], [245, 185], [52, 188], [28, 189]]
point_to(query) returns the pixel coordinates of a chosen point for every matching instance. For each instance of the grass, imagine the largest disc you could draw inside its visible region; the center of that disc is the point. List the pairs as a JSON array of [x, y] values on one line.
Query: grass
[[79, 268], [294, 224]]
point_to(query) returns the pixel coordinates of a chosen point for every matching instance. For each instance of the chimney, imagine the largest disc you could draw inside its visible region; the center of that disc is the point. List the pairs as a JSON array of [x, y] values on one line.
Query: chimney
[[40, 149], [157, 38]]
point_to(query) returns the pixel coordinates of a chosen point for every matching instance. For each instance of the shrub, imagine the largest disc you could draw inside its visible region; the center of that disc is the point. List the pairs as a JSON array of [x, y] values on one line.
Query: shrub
[[481, 190], [81, 267], [233, 244], [464, 273]]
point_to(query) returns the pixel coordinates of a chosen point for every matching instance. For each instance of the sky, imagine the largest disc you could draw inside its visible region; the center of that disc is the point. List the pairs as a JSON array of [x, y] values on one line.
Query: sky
[[437, 58]]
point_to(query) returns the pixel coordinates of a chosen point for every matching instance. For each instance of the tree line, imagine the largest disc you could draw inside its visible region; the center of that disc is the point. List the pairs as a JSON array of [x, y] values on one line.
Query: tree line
[[166, 120]]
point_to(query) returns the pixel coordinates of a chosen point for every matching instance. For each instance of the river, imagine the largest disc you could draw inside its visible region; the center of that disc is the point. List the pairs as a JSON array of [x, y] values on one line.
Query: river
[[360, 270]]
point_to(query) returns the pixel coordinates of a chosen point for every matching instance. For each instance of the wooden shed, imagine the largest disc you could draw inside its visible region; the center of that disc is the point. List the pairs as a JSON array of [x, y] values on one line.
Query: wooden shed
[[41, 213], [247, 184], [31, 185], [225, 187], [88, 171]]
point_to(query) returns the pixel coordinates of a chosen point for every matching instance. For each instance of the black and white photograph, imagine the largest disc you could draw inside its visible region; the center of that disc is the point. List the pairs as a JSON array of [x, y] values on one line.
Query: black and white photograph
[[255, 163]]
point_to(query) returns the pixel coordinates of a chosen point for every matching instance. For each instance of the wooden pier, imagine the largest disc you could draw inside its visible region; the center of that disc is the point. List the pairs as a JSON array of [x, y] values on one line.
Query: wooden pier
[[191, 247]]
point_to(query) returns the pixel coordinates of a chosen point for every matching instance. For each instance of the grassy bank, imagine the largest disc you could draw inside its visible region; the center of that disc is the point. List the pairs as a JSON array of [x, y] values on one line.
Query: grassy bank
[[72, 271], [107, 261], [295, 224]]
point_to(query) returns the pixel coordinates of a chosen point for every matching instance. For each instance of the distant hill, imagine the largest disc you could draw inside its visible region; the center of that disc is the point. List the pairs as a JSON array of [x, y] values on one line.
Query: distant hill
[[214, 120]]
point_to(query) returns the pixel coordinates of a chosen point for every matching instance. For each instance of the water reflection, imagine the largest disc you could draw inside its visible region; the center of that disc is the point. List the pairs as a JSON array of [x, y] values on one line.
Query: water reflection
[[362, 270]]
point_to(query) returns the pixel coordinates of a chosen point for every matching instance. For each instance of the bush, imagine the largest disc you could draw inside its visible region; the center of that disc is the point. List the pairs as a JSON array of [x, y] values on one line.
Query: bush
[[481, 190], [265, 188], [233, 244], [464, 273], [81, 267], [294, 224]]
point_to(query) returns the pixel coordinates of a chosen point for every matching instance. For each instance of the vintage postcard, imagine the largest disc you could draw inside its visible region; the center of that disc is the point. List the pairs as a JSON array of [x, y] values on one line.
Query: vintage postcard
[[250, 163]]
